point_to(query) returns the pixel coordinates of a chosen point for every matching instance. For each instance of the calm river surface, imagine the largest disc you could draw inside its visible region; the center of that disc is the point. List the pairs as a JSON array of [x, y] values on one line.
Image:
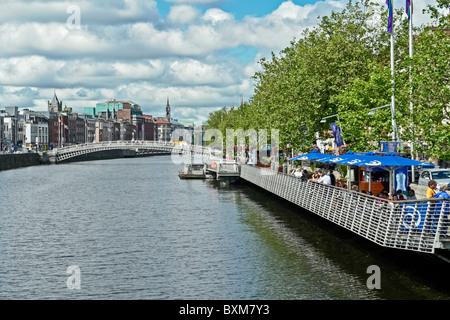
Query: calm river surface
[[136, 231]]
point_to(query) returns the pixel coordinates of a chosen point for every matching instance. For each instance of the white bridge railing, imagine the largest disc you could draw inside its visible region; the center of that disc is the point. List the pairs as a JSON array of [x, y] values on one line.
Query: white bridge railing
[[68, 152], [410, 225]]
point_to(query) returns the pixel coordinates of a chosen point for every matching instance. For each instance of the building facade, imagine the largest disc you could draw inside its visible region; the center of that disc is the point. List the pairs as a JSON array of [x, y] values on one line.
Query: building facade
[[57, 127], [163, 130]]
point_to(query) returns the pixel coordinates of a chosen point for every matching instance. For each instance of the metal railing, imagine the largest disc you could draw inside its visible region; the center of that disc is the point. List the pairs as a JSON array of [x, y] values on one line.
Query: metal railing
[[418, 225], [71, 151], [113, 144]]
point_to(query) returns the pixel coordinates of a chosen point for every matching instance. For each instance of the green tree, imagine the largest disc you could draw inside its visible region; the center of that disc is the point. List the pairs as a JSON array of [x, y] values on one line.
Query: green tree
[[427, 86], [361, 131], [296, 89], [342, 66]]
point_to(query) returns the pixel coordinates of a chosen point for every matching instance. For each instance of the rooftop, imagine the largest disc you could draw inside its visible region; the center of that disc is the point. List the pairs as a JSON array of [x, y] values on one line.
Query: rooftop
[[162, 121]]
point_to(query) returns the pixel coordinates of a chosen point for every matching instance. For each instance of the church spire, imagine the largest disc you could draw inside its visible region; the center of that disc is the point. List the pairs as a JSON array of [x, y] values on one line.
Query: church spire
[[168, 109], [55, 105]]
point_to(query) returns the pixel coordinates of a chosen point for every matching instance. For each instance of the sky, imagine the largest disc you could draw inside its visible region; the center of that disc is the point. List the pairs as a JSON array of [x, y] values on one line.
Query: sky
[[201, 54]]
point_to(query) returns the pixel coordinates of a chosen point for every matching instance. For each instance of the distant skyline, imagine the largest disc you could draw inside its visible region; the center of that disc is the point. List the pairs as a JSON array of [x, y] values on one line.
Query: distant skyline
[[199, 53]]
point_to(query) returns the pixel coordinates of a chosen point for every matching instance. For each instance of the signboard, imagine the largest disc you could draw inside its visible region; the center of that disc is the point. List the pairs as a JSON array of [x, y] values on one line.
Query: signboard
[[401, 179], [391, 146]]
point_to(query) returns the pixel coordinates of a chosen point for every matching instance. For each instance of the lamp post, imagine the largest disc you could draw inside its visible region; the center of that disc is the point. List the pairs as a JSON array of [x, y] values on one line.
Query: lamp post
[[394, 123], [394, 133]]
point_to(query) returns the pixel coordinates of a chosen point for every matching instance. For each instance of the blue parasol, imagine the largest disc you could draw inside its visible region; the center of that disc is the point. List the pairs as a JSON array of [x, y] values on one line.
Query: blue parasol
[[390, 162], [340, 159], [313, 155]]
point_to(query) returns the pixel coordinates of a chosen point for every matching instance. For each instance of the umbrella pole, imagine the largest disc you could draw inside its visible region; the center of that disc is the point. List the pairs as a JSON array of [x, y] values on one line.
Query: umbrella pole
[[349, 180], [390, 191]]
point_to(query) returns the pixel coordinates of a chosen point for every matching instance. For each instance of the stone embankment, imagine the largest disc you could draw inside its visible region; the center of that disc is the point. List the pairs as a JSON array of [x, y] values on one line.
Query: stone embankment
[[19, 160]]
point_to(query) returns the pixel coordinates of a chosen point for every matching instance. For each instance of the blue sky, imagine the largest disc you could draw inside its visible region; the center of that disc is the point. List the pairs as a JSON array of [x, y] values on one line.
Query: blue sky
[[238, 8], [199, 53]]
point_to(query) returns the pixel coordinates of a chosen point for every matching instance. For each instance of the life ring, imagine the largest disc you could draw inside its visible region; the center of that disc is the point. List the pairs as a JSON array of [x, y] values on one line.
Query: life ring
[[409, 214], [213, 165]]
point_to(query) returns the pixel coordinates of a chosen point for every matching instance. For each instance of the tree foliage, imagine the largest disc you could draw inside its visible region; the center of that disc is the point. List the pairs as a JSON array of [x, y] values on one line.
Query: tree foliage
[[342, 67], [424, 92]]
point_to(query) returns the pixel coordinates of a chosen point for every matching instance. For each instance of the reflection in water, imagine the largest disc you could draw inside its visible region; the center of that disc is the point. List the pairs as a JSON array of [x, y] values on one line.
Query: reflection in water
[[322, 261], [139, 232], [299, 268]]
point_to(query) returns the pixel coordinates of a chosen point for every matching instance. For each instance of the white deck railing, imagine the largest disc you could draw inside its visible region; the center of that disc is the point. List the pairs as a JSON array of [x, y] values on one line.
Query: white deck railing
[[420, 225]]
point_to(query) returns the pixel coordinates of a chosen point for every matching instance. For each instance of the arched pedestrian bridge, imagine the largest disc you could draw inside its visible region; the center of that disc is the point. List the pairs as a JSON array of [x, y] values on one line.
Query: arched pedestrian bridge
[[111, 149]]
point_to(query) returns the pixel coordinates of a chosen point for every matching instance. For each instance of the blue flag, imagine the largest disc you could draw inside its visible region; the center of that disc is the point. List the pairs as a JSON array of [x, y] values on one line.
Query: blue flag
[[337, 134], [391, 17], [409, 8]]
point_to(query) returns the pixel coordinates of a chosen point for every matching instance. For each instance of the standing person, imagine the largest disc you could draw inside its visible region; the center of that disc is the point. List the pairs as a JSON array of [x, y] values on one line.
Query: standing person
[[432, 184], [442, 192], [440, 209]]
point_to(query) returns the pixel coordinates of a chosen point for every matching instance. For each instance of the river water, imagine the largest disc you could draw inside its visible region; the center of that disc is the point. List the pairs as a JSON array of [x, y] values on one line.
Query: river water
[[135, 230]]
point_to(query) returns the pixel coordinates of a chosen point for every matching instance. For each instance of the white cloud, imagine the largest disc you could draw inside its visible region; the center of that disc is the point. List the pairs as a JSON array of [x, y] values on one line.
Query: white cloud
[[183, 14], [210, 2], [52, 40], [216, 16], [125, 50], [149, 70], [290, 11], [196, 73], [92, 12]]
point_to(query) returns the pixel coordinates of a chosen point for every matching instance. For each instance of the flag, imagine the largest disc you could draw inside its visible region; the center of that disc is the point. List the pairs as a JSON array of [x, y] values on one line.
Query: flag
[[337, 134], [391, 17], [409, 8]]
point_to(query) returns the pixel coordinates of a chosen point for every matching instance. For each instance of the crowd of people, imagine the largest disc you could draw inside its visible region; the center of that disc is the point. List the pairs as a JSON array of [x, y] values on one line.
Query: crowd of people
[[327, 177], [322, 176], [398, 196]]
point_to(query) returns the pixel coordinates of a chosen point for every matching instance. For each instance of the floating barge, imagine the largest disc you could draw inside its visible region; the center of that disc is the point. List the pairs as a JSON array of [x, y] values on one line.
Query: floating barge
[[193, 171], [219, 170], [416, 225]]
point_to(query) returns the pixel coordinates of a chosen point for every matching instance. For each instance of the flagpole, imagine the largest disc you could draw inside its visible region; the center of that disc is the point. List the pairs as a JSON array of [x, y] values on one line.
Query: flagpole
[[391, 30], [394, 124], [59, 127], [410, 17]]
